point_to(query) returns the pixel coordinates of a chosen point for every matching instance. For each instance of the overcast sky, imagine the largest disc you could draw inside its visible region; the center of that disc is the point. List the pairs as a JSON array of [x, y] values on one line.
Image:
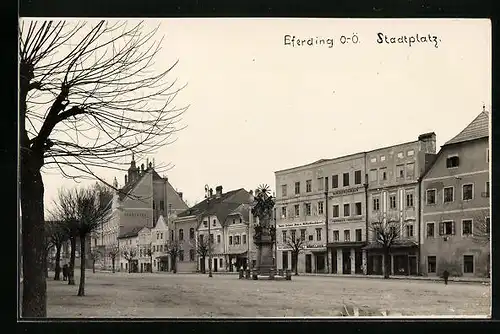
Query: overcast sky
[[258, 106]]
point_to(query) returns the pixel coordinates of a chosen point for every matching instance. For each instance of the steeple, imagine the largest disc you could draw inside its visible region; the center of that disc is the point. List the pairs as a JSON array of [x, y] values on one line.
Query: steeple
[[132, 170]]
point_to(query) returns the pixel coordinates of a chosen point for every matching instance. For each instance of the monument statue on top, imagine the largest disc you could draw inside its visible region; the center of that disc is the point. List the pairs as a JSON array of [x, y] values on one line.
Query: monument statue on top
[[265, 233]]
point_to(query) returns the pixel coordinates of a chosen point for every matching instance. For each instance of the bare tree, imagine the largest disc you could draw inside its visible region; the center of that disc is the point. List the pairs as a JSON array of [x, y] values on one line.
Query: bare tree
[[84, 210], [129, 254], [481, 229], [149, 252], [385, 232], [57, 235], [173, 248], [203, 248], [88, 96], [113, 252], [296, 246], [94, 256]]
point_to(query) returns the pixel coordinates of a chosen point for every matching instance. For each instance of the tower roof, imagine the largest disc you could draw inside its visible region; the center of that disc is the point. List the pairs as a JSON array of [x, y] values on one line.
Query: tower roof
[[478, 128]]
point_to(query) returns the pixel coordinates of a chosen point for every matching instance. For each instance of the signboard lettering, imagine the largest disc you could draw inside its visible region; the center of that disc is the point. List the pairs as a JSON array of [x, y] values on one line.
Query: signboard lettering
[[299, 224], [345, 191]]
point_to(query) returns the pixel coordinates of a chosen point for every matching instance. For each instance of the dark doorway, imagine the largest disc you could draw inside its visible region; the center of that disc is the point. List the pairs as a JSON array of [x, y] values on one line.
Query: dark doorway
[[308, 263], [215, 264], [346, 261], [202, 265], [400, 265], [320, 263], [285, 260], [358, 262], [334, 261], [375, 265], [413, 265]]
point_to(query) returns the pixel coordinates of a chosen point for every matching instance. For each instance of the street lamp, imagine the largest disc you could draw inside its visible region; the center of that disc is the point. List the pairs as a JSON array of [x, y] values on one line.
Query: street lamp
[[207, 195]]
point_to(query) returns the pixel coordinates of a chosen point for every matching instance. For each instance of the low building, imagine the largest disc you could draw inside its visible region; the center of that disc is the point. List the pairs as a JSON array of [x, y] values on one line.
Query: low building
[[456, 209], [159, 236], [128, 245]]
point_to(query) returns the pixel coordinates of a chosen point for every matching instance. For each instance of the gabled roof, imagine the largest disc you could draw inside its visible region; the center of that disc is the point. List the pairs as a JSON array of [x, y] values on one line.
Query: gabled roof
[[478, 128], [243, 210], [237, 196], [129, 231]]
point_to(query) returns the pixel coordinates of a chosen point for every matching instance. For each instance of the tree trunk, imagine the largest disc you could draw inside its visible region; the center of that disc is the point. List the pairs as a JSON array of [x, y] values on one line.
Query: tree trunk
[[34, 302], [93, 266], [57, 276], [174, 266], [71, 268], [151, 263], [81, 289], [387, 263], [113, 264], [296, 257], [129, 266], [203, 270]]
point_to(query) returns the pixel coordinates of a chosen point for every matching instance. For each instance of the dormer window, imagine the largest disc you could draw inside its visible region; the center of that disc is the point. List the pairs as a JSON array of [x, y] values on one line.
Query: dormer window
[[452, 162]]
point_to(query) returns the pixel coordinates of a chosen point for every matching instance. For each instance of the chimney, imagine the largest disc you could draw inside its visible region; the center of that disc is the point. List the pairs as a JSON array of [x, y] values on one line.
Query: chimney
[[211, 192], [126, 179], [218, 191], [180, 194], [251, 192], [428, 142]]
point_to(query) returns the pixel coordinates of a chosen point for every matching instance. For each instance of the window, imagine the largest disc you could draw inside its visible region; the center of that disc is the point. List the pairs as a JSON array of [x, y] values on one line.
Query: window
[[401, 155], [211, 238], [410, 153], [335, 181], [336, 236], [161, 248], [283, 190], [392, 231], [431, 264], [357, 177], [373, 160], [181, 234], [236, 239], [171, 235], [200, 237], [321, 183], [409, 199], [358, 209], [310, 237], [284, 236], [205, 223], [410, 171], [297, 188], [382, 158], [283, 212], [431, 196], [303, 234], [161, 235], [409, 230], [383, 173], [347, 235], [468, 264], [392, 201], [376, 204], [359, 235], [244, 237], [241, 221], [400, 171], [218, 238], [373, 175], [467, 227], [214, 222], [293, 235], [234, 220], [162, 205], [140, 252], [157, 235], [467, 192], [308, 209], [345, 180], [318, 234], [447, 228], [448, 193], [181, 255], [452, 162], [335, 211], [191, 233], [297, 210], [430, 230], [320, 208], [191, 255], [347, 210], [308, 187], [220, 263]]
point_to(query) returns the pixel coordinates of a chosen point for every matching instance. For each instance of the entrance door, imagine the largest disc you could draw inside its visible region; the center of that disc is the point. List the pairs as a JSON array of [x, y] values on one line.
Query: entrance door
[[215, 265], [334, 261], [358, 262], [346, 261], [400, 265], [308, 263], [202, 265], [413, 265], [285, 260], [320, 263]]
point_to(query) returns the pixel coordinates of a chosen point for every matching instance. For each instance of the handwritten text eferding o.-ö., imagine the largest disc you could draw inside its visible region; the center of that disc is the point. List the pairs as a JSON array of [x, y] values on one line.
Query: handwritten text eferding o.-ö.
[[404, 39]]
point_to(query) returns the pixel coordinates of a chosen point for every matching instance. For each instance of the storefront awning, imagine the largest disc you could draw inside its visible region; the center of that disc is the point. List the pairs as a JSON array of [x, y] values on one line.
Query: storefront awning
[[346, 244]]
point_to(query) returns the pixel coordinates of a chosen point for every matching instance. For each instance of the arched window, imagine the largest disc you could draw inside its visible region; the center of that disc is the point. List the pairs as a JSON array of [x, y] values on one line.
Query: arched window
[[191, 233], [191, 255], [181, 234]]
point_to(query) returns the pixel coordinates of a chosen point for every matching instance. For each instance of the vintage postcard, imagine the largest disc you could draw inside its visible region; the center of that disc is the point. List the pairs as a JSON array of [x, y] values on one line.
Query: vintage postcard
[[243, 168]]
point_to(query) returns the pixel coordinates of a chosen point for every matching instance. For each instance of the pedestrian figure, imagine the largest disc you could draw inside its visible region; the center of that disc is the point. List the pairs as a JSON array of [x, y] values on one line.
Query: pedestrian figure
[[65, 272], [446, 274]]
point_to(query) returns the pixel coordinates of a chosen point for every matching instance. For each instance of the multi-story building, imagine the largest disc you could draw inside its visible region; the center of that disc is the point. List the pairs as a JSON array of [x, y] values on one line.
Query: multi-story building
[[128, 241], [456, 209], [144, 197], [393, 195], [159, 236], [237, 235], [307, 197], [217, 210], [144, 238]]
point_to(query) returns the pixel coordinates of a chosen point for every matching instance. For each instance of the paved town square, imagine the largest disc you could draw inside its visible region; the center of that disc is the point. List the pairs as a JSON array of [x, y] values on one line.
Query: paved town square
[[195, 295]]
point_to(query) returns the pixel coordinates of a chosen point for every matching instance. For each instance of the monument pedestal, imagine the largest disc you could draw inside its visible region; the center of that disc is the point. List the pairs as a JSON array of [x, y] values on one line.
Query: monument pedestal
[[264, 244]]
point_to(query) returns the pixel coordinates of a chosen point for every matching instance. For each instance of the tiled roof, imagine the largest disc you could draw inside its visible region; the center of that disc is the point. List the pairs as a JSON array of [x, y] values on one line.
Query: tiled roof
[[243, 210], [205, 205], [478, 128], [129, 231]]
